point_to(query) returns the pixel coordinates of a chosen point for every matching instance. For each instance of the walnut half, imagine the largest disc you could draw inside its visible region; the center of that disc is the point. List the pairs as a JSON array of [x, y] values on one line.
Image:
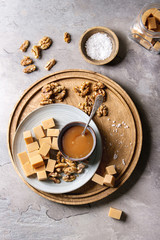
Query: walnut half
[[29, 69], [24, 46], [26, 61], [69, 178], [50, 64], [44, 43], [36, 51]]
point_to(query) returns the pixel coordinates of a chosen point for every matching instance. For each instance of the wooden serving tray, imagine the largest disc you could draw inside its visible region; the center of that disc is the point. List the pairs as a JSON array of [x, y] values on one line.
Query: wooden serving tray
[[121, 131]]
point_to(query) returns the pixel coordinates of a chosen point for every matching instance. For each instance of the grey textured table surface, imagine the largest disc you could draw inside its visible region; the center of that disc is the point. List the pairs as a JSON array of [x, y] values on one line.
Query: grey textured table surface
[[26, 215]]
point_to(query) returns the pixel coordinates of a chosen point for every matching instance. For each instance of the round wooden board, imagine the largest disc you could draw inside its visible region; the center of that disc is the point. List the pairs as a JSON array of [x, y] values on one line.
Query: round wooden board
[[121, 131]]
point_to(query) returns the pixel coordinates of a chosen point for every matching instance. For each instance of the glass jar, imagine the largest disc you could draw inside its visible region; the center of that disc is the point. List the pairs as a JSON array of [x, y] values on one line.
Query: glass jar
[[147, 38]]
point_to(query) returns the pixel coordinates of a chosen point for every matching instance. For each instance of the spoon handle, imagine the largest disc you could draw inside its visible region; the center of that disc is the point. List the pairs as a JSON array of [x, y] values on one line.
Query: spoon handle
[[97, 104]]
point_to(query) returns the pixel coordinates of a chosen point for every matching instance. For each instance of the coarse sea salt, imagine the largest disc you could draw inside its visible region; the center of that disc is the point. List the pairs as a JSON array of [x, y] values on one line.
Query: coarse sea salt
[[99, 46]]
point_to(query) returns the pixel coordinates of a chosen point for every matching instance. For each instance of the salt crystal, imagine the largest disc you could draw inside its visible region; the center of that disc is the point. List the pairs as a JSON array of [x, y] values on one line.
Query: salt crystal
[[99, 46], [113, 125], [115, 156], [123, 162], [119, 125]]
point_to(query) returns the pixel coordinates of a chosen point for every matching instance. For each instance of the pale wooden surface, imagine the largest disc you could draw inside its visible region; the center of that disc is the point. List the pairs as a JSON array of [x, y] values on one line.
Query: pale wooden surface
[[119, 141]]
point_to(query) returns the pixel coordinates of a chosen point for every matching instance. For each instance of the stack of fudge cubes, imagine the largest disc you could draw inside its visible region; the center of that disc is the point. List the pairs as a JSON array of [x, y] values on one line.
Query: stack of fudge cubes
[[33, 161], [108, 180]]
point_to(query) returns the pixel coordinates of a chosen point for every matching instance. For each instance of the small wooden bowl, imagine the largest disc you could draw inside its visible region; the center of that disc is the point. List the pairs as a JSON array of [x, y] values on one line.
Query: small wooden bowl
[[88, 33]]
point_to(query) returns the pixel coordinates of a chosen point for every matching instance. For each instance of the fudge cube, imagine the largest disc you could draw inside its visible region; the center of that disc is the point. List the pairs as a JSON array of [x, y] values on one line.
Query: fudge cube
[[42, 175], [48, 123], [147, 14], [109, 180], [38, 131], [27, 137], [50, 165], [45, 139], [152, 23], [44, 149], [145, 44], [157, 46], [156, 14], [55, 143], [39, 169], [111, 170], [23, 157], [97, 179], [32, 154], [32, 146], [115, 213], [28, 169], [37, 161], [53, 132]]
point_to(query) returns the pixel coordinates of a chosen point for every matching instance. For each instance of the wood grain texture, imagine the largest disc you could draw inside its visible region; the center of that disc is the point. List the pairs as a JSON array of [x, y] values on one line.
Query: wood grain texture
[[118, 142]]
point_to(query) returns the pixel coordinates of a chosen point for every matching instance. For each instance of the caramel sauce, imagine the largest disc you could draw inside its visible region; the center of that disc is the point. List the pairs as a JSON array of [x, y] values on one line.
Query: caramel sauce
[[76, 145]]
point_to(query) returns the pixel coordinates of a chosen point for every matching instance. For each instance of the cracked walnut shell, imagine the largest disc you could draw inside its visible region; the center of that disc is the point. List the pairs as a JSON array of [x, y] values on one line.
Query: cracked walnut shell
[[44, 43]]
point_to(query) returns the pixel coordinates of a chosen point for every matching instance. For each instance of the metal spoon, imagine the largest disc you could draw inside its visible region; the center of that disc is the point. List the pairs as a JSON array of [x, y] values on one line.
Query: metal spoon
[[97, 104]]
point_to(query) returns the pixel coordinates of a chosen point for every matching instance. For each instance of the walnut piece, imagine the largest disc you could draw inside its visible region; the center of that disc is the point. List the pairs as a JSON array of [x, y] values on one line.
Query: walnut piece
[[61, 165], [67, 167], [100, 92], [29, 69], [98, 89], [36, 51], [26, 61], [80, 168], [70, 170], [53, 91], [67, 37], [55, 180], [50, 64], [58, 170], [102, 111], [54, 174], [46, 101], [98, 85], [70, 163], [44, 43], [24, 46], [69, 178], [83, 89]]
